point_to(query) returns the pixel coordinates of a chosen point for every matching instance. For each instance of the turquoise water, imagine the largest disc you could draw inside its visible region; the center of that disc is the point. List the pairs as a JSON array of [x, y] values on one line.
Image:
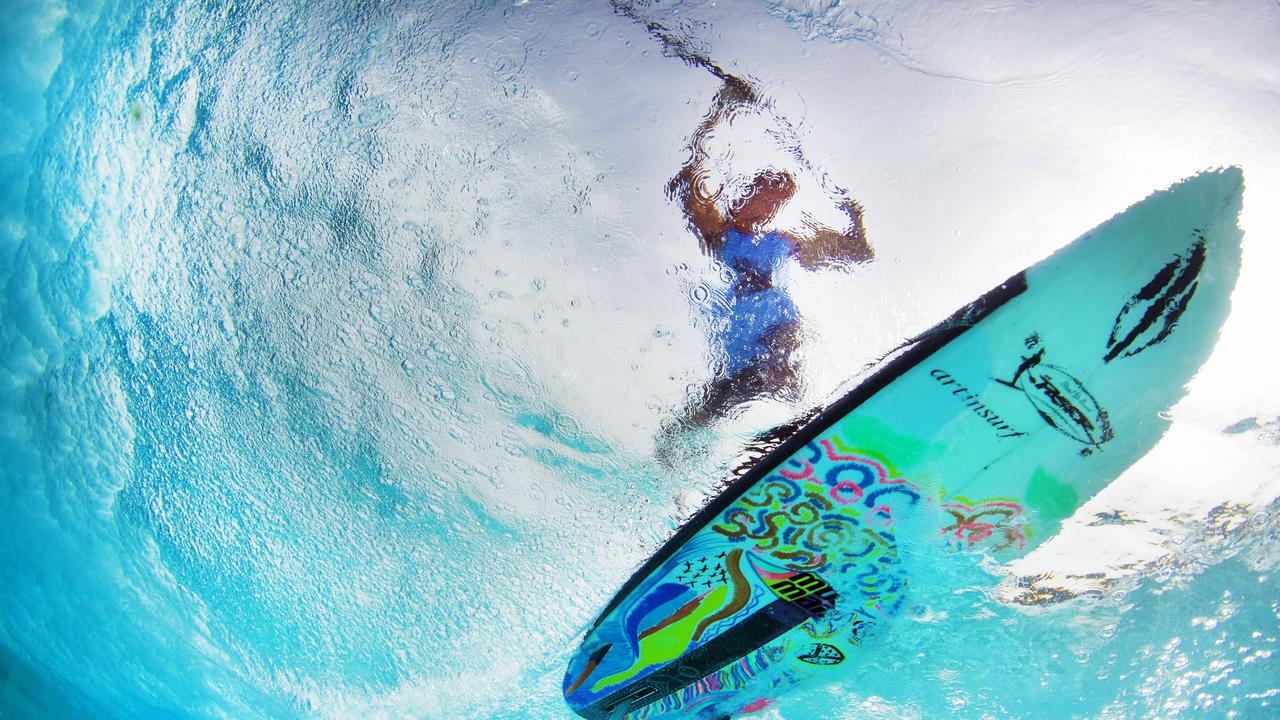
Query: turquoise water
[[336, 339]]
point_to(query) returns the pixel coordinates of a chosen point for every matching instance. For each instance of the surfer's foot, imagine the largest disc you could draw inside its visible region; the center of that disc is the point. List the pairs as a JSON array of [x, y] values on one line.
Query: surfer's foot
[[769, 440], [775, 436]]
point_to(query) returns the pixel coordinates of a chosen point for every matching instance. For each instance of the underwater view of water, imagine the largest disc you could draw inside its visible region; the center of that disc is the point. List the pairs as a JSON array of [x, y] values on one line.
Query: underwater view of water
[[342, 343]]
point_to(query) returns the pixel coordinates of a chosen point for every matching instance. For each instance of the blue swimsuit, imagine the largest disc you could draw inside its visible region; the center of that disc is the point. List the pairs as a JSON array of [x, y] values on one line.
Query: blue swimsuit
[[755, 306]]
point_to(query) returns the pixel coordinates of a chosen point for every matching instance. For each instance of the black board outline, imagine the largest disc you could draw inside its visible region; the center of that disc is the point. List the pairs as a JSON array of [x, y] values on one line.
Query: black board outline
[[924, 347]]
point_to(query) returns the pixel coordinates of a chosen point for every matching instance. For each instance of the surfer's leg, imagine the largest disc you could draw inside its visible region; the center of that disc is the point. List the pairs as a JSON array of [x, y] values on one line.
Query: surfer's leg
[[720, 396], [770, 373], [715, 401]]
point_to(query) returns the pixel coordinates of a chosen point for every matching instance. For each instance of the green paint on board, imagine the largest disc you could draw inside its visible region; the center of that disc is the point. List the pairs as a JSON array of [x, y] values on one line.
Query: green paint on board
[[1051, 498], [874, 437]]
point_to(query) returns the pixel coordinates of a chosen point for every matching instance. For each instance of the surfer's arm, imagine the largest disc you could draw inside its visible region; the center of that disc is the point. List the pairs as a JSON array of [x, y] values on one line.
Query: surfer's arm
[[676, 45], [821, 246], [699, 207]]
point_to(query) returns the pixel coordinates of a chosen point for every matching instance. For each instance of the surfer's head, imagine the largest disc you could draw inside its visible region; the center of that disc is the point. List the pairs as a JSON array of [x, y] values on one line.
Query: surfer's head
[[766, 194]]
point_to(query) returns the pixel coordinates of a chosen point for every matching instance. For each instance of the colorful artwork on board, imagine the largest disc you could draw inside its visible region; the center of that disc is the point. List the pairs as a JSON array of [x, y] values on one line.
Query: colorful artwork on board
[[823, 520]]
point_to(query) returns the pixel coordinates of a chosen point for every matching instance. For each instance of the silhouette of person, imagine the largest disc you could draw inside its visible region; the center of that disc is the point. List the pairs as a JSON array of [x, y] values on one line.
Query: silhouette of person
[[756, 330]]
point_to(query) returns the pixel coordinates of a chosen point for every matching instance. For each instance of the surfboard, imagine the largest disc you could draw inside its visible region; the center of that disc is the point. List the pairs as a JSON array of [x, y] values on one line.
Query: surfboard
[[1003, 420]]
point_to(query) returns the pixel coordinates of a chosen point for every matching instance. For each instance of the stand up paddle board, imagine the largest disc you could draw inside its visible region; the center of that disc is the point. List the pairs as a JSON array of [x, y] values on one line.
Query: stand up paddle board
[[1007, 416]]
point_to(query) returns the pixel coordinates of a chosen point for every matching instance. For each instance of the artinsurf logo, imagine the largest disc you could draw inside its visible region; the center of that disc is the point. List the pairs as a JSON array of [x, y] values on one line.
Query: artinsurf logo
[[971, 401], [1062, 400], [1152, 313]]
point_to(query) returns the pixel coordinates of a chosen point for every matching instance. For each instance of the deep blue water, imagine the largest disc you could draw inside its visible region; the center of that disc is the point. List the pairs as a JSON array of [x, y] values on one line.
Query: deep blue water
[[336, 338]]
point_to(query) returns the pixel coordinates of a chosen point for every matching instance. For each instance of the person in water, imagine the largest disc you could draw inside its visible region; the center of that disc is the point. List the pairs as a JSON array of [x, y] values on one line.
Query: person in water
[[757, 329]]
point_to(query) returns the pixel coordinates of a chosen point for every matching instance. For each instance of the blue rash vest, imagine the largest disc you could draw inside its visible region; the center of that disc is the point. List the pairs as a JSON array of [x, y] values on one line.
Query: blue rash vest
[[755, 305]]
